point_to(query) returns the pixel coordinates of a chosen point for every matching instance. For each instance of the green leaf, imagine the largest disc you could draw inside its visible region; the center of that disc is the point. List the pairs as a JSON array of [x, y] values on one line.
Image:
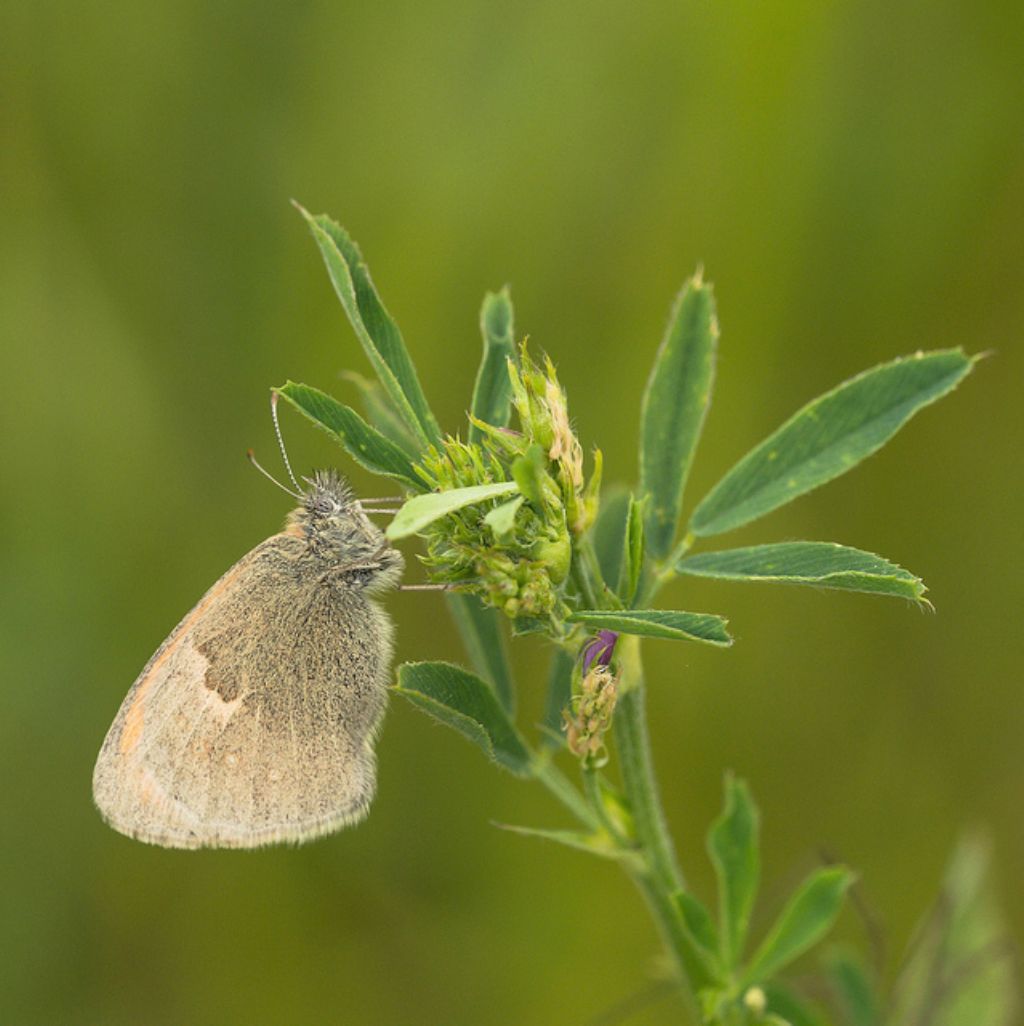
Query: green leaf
[[523, 625], [492, 393], [595, 844], [422, 510], [792, 1008], [856, 992], [803, 922], [828, 437], [698, 921], [367, 446], [559, 694], [658, 623], [698, 933], [482, 636], [377, 332], [674, 406], [609, 531], [381, 414], [632, 563], [822, 564], [733, 847], [463, 701], [501, 520]]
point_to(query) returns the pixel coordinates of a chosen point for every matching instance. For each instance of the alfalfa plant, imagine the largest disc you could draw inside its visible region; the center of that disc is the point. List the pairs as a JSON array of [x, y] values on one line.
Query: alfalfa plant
[[512, 523]]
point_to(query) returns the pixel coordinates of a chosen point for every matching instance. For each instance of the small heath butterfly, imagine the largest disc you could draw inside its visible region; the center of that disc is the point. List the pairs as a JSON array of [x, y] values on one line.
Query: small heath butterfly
[[254, 722]]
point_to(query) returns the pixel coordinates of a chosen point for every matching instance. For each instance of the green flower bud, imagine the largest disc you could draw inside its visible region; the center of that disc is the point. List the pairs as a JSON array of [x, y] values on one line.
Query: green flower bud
[[555, 554]]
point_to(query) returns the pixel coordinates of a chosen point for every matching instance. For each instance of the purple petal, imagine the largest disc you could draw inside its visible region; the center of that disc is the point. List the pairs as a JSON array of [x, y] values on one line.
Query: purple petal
[[599, 649]]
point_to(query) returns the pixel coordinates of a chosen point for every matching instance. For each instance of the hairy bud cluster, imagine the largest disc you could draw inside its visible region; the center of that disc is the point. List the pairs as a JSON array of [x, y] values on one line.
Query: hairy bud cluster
[[515, 553]]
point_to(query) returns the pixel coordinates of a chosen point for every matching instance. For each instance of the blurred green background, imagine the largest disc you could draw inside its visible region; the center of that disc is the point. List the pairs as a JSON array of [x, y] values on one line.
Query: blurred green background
[[852, 177]]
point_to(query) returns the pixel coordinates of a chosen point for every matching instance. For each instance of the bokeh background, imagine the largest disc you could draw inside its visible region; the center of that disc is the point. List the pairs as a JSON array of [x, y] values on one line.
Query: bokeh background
[[850, 174]]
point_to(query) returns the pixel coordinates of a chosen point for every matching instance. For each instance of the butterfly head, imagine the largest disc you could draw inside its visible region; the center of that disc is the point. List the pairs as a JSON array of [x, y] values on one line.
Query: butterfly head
[[328, 495], [340, 534]]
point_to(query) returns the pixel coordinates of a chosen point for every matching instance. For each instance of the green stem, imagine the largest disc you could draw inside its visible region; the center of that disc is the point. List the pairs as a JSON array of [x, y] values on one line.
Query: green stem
[[675, 938], [664, 572], [662, 878], [592, 792], [634, 749], [558, 784]]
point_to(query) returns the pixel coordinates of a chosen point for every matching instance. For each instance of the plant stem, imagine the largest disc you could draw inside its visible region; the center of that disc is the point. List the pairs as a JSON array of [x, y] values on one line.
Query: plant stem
[[673, 935], [633, 745], [662, 879], [664, 572], [559, 785], [592, 792]]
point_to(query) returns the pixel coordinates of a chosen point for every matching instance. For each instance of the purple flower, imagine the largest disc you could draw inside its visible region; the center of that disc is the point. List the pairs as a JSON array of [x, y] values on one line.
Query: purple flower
[[599, 650]]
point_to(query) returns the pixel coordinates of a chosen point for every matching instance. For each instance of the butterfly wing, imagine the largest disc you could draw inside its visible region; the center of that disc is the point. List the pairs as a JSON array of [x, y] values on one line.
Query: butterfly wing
[[254, 722]]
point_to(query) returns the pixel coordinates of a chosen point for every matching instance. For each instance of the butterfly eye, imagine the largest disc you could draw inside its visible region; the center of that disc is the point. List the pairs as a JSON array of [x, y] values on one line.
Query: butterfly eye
[[323, 505]]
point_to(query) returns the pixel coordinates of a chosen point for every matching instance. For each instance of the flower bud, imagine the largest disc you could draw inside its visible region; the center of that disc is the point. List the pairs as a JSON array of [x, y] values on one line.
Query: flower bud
[[590, 715], [555, 554], [755, 1002]]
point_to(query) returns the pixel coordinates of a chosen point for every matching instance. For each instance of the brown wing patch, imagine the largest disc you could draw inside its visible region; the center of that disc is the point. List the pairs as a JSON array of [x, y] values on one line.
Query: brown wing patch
[[134, 722]]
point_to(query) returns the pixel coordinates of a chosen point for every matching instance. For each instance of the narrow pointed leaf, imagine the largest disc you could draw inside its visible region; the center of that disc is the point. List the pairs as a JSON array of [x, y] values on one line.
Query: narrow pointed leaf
[[468, 704], [609, 531], [856, 992], [827, 437], [559, 694], [632, 552], [699, 936], [803, 922], [366, 445], [377, 332], [658, 623], [381, 414], [492, 393], [699, 923], [733, 847], [822, 564], [793, 1008], [482, 636], [422, 510], [674, 406], [595, 844]]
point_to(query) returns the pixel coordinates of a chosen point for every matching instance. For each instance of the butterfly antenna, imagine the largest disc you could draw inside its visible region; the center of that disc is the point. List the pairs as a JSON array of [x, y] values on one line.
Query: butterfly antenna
[[270, 477], [280, 440]]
